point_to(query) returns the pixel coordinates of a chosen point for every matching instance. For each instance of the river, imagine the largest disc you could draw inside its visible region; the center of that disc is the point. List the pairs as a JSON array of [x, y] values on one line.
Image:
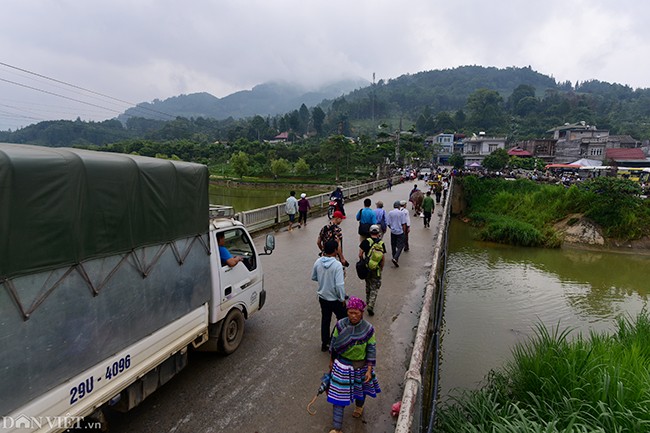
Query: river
[[496, 294]]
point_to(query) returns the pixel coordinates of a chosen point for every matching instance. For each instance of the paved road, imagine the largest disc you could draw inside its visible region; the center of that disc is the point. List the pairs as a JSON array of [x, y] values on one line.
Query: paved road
[[265, 386]]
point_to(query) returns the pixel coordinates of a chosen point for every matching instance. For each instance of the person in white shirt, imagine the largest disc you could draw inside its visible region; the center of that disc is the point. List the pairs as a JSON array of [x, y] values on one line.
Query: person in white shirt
[[397, 224], [407, 218]]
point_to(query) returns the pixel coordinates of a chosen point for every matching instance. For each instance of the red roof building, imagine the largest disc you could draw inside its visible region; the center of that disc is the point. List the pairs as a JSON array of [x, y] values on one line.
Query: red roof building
[[624, 154], [518, 151]]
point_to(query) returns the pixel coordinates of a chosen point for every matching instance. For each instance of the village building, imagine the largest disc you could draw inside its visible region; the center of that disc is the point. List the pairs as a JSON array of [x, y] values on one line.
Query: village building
[[542, 148], [579, 140], [442, 146], [477, 147]]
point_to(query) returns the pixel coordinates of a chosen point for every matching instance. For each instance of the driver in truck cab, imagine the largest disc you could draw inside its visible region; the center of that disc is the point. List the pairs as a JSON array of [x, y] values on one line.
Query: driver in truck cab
[[224, 254]]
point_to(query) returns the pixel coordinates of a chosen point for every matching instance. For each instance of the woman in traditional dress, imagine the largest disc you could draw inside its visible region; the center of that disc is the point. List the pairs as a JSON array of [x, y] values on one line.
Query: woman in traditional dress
[[352, 363]]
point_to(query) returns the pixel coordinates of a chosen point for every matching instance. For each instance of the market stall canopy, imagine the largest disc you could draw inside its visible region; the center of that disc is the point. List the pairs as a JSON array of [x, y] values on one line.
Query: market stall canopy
[[474, 164], [551, 166], [588, 162]]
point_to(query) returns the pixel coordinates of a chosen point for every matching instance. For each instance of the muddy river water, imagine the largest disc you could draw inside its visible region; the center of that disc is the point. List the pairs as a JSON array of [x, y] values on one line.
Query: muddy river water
[[496, 294]]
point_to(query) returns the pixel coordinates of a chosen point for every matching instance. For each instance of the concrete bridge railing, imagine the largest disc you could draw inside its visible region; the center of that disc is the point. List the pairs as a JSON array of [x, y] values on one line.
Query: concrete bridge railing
[[420, 394]]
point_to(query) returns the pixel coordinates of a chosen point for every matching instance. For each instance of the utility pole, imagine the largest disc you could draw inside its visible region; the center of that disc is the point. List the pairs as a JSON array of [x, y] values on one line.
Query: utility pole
[[399, 131], [373, 99]]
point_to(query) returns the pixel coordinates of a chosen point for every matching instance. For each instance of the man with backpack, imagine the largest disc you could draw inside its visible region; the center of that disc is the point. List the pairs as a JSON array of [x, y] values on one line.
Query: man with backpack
[[373, 250], [332, 231], [366, 217]]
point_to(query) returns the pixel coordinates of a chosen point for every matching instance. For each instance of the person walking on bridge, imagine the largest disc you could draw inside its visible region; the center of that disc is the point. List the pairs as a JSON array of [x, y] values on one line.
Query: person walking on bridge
[[373, 250], [291, 208], [407, 218], [352, 363], [328, 273], [427, 208], [303, 209], [397, 223], [366, 217], [333, 231]]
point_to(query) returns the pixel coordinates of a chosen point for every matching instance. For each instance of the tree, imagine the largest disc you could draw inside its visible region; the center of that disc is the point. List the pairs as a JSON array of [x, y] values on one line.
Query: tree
[[497, 160], [457, 160], [280, 167], [614, 204], [334, 149], [522, 91], [444, 122], [303, 114], [301, 167], [318, 117], [486, 110], [239, 163]]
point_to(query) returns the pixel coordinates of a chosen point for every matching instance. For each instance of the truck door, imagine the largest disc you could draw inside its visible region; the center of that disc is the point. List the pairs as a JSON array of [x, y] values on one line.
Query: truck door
[[242, 283]]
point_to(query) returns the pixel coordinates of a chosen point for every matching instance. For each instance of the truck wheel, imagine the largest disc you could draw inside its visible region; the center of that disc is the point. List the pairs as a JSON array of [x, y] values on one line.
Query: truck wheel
[[232, 331]]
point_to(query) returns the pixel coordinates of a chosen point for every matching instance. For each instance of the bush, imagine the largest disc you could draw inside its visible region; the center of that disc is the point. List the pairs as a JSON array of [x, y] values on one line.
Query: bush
[[509, 231]]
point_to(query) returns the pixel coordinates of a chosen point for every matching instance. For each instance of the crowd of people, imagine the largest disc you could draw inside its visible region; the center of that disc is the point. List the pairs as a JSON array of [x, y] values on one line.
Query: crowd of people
[[351, 342]]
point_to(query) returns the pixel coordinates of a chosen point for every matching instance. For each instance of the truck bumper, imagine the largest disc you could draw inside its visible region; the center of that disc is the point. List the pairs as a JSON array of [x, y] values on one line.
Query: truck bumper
[[262, 298]]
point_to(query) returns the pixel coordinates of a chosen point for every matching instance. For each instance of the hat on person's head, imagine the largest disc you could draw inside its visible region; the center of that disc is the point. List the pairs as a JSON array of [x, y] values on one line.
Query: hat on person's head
[[330, 246], [374, 229], [355, 303], [303, 195], [396, 203], [338, 214], [402, 202]]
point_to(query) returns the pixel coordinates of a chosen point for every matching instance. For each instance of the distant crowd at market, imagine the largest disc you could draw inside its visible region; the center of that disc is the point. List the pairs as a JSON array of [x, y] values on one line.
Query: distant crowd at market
[[552, 176]]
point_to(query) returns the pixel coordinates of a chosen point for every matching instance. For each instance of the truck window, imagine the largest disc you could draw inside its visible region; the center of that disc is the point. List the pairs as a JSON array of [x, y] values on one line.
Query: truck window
[[239, 243]]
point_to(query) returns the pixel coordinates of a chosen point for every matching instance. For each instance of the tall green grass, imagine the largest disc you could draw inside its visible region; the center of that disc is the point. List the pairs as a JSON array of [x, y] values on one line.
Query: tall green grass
[[554, 383], [523, 212]]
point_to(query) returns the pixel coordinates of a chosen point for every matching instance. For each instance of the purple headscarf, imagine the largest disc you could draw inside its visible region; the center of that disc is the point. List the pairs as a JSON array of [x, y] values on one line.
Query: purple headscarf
[[356, 303]]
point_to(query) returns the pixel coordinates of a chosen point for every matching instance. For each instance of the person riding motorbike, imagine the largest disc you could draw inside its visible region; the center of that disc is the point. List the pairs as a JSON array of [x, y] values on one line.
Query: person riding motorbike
[[337, 195]]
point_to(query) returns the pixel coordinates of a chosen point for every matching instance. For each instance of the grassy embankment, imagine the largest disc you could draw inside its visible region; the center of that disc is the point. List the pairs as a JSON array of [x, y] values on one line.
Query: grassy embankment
[[599, 383], [523, 212]]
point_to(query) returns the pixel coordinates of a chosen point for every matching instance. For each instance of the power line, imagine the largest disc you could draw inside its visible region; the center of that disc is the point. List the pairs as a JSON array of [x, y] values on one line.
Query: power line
[[60, 96], [131, 104]]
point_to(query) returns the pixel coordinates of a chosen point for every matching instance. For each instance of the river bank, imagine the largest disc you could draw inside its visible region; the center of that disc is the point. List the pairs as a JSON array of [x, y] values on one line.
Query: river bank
[[599, 214]]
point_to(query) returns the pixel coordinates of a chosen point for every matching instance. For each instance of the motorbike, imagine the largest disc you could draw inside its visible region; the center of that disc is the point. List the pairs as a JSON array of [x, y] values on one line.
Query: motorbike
[[334, 205]]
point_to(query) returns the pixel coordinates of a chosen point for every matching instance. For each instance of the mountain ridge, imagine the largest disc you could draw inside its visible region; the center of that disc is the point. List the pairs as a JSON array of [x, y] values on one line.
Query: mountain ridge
[[266, 99]]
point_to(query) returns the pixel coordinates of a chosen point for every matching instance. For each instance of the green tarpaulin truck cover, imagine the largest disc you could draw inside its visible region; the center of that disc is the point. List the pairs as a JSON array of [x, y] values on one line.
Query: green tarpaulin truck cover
[[61, 206]]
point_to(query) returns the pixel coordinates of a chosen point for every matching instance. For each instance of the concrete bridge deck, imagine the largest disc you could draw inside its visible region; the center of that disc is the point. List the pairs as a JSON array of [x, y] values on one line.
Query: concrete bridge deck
[[265, 386]]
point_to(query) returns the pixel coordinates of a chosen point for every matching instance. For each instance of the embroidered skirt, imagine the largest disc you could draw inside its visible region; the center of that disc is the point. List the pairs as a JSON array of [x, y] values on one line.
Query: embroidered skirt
[[347, 384]]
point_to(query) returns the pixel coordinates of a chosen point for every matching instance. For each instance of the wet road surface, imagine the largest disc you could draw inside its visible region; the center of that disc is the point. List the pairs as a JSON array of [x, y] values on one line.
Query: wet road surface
[[266, 384]]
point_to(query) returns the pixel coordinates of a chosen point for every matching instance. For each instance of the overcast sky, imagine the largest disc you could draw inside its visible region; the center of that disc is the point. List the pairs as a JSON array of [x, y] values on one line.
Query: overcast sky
[[140, 50]]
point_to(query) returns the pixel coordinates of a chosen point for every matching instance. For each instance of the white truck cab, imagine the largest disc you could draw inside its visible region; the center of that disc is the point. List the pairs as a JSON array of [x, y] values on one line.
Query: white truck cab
[[238, 291]]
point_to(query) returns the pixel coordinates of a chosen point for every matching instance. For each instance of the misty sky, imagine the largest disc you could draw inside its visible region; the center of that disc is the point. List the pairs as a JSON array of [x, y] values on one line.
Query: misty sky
[[140, 50]]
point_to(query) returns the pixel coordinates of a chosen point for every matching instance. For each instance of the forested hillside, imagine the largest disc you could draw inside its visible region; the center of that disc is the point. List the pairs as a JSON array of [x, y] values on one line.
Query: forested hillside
[[516, 102], [269, 99]]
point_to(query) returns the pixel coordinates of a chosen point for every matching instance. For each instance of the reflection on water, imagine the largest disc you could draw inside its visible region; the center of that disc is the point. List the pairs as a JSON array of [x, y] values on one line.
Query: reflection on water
[[496, 294]]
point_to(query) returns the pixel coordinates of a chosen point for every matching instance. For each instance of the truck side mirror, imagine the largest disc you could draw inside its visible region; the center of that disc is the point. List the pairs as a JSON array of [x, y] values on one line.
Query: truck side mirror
[[270, 244]]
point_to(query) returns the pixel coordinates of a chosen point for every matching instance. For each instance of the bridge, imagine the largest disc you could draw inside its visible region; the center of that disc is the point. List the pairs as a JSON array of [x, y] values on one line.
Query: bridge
[[266, 385]]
